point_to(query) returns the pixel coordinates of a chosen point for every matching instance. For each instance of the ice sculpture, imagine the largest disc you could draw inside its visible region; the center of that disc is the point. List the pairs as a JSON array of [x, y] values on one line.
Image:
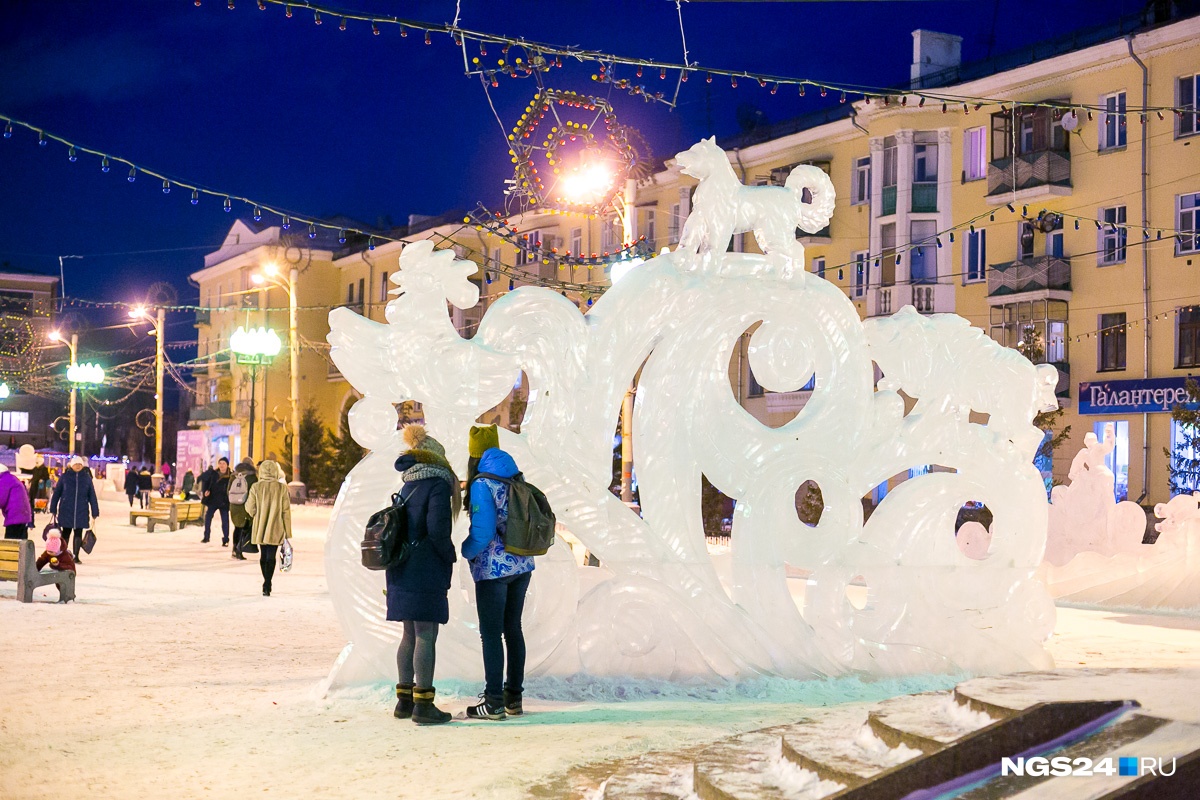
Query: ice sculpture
[[1156, 577], [1085, 516], [656, 607]]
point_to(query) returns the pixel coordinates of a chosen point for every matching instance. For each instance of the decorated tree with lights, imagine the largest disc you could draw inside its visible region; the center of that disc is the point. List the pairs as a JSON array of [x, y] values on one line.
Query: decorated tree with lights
[[1183, 463], [1031, 347]]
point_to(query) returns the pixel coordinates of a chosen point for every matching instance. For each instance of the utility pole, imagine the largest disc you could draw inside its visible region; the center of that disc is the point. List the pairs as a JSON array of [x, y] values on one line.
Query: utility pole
[[74, 346], [628, 232], [158, 389]]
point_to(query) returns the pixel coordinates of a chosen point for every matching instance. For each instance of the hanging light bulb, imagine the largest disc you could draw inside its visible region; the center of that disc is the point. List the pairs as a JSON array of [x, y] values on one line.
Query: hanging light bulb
[[371, 243], [287, 222], [342, 236], [287, 11], [342, 26], [195, 196], [843, 98], [511, 285], [487, 277], [104, 167], [403, 32], [822, 91], [132, 174], [316, 17], [166, 186], [41, 139], [257, 214], [312, 231], [427, 40], [374, 28], [228, 205], [8, 131], [71, 155], [802, 90]]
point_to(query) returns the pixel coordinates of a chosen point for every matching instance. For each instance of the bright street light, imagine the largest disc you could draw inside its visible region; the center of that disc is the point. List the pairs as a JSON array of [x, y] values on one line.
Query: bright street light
[[587, 185], [55, 336], [137, 312], [255, 346], [4, 391], [88, 374]]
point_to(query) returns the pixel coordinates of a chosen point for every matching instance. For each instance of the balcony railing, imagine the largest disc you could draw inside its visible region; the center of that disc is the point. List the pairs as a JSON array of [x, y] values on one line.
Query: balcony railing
[[1038, 274], [888, 205], [203, 317], [924, 198], [1043, 168], [932, 298], [211, 411]]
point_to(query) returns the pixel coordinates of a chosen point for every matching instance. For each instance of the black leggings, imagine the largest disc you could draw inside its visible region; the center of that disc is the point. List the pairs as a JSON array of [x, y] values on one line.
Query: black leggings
[[416, 654], [267, 554], [500, 603], [66, 537], [18, 531]]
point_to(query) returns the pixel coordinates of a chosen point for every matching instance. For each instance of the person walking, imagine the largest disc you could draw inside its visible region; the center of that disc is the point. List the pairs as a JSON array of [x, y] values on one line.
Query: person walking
[[166, 479], [74, 497], [39, 481], [244, 478], [189, 483], [131, 485], [214, 494], [145, 485], [270, 512], [418, 589], [14, 501], [501, 578]]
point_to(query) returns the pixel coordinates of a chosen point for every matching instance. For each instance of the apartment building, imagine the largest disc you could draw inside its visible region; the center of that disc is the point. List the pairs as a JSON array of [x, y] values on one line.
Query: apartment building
[[1117, 312], [27, 313]]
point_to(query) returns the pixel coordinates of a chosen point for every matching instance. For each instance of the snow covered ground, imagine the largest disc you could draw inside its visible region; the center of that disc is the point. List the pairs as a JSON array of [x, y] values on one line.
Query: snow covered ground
[[172, 676]]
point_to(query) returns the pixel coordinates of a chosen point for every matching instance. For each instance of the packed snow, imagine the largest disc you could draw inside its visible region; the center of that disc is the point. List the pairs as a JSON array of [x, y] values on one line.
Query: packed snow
[[172, 674]]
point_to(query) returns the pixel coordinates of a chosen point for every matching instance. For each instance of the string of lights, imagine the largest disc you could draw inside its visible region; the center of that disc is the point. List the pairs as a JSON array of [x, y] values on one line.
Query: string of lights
[[533, 56]]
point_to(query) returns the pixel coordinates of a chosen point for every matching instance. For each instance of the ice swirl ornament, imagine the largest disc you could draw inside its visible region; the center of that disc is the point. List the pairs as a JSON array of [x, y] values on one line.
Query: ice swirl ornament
[[658, 606]]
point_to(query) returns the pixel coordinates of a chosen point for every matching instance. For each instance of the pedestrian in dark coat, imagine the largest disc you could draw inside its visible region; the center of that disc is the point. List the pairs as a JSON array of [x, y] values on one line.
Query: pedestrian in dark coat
[[214, 495], [237, 511], [418, 589], [74, 503], [39, 479], [131, 485], [145, 483], [189, 483]]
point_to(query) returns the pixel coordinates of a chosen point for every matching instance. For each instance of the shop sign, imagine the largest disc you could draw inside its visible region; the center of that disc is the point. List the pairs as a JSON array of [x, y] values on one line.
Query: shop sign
[[1148, 396]]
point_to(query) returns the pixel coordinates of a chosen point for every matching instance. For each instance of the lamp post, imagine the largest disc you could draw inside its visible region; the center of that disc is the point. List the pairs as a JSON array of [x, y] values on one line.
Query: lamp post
[[157, 322], [254, 347], [81, 375], [270, 274], [72, 345]]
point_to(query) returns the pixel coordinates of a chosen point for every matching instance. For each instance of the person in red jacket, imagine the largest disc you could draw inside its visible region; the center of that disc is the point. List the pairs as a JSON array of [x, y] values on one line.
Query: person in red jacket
[[56, 555]]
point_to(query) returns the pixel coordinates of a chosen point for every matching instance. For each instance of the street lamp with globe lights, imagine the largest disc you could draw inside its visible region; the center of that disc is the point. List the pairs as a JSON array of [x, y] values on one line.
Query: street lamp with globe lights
[[253, 348], [269, 276]]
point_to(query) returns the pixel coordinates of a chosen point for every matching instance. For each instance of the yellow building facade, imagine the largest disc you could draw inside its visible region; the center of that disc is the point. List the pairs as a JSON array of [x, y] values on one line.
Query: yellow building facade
[[922, 218]]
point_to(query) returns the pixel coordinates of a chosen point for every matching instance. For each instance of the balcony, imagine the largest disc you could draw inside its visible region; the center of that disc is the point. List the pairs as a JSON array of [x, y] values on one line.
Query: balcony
[[1042, 274], [926, 298], [203, 317], [211, 411], [887, 206], [1039, 174], [924, 198]]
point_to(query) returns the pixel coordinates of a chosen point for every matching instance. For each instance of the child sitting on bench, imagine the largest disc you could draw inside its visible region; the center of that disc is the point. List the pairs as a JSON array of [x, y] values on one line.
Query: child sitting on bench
[[56, 555]]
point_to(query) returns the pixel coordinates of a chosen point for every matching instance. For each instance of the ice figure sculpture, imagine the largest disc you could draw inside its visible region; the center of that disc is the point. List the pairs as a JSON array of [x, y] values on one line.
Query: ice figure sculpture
[[1085, 516], [656, 607]]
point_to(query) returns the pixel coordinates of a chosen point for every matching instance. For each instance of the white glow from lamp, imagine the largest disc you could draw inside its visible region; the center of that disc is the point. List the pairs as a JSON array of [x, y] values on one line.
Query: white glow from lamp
[[91, 374], [4, 391], [255, 342], [587, 185]]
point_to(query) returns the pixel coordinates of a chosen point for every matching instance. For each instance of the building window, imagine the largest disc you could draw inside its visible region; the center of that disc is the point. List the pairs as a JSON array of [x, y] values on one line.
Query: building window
[[651, 234], [1024, 240], [212, 391], [975, 256], [818, 267], [889, 161], [922, 258], [609, 236], [1188, 350], [577, 241], [974, 154], [1187, 223], [925, 163], [1037, 132], [362, 291], [383, 288], [350, 294], [860, 273], [526, 245], [1112, 121], [1047, 319], [1112, 235], [15, 421], [674, 224], [860, 188], [1188, 88], [1112, 342]]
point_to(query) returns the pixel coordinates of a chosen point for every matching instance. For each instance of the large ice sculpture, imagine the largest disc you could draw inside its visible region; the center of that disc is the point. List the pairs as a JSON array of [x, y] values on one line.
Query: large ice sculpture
[[658, 607]]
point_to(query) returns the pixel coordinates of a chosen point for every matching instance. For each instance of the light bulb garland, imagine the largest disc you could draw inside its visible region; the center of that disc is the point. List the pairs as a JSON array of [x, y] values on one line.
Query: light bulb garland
[[535, 57]]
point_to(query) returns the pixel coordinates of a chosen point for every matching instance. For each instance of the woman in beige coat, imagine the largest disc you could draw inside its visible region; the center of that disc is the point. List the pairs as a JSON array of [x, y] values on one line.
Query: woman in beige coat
[[270, 508]]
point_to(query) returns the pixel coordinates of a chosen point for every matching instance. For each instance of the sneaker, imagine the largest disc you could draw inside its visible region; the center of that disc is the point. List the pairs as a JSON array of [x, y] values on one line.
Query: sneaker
[[487, 708], [512, 704]]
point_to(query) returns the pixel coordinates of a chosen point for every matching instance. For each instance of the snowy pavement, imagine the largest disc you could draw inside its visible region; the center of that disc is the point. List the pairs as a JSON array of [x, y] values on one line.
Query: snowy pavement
[[172, 676]]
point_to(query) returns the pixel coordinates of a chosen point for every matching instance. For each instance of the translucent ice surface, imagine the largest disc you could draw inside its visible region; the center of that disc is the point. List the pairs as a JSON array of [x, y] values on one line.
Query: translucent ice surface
[[660, 610]]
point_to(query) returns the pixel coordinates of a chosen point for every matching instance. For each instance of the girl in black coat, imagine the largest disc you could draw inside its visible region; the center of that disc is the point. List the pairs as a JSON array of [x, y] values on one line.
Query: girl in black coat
[[417, 590], [74, 503]]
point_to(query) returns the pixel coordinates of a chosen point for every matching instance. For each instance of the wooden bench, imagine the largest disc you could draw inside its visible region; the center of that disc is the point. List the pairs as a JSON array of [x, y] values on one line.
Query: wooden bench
[[169, 511], [18, 562]]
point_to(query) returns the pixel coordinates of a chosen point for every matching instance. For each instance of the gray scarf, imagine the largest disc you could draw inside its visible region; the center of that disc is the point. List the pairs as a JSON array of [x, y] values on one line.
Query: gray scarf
[[419, 472]]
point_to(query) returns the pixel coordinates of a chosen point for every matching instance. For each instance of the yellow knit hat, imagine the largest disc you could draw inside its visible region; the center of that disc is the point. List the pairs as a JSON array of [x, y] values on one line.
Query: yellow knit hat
[[482, 438]]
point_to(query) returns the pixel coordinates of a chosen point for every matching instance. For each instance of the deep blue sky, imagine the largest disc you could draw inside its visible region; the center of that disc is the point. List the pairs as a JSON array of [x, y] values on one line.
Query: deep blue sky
[[325, 122]]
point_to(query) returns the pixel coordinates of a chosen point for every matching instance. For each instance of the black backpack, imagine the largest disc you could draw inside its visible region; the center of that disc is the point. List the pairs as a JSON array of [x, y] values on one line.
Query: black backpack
[[386, 543], [531, 521]]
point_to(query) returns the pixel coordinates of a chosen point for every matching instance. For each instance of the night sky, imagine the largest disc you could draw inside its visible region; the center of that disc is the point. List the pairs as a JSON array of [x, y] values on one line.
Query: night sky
[[324, 122]]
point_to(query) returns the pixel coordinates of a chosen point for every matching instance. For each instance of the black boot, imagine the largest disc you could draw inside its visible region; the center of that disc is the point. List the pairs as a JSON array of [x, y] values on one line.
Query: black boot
[[489, 707], [424, 711], [512, 703], [404, 701]]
